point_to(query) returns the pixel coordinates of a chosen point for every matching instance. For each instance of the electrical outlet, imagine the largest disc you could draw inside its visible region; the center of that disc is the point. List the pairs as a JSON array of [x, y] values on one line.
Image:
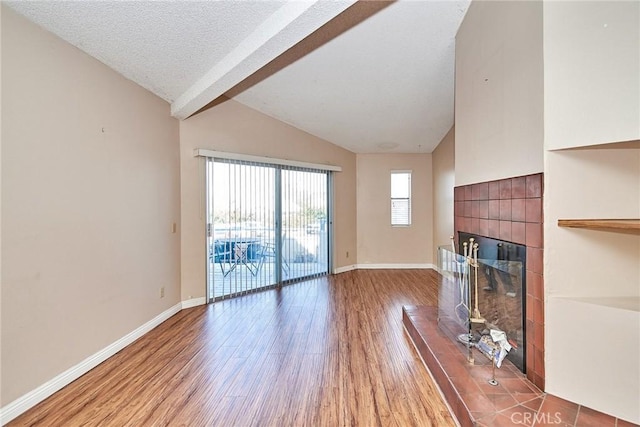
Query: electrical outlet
[[162, 292]]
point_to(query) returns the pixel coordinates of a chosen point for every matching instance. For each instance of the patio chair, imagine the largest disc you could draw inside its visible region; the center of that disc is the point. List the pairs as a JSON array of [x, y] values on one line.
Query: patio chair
[[221, 253], [268, 251]]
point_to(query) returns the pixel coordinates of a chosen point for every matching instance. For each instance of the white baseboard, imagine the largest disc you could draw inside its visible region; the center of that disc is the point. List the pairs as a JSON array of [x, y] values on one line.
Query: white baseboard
[[193, 302], [32, 398], [394, 266], [344, 269], [382, 266]]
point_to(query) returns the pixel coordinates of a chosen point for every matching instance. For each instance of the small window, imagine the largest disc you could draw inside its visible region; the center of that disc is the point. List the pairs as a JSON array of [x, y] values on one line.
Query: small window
[[401, 198]]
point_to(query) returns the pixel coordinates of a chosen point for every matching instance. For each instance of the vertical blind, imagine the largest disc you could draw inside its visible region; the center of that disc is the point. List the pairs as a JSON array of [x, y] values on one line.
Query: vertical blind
[[267, 224], [305, 228]]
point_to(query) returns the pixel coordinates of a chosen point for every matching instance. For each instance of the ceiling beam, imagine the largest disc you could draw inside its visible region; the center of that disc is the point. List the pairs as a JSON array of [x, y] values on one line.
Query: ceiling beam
[[287, 26]]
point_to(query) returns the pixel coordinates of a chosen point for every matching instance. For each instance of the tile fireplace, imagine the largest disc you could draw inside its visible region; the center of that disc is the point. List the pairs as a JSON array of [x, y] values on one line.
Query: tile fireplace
[[511, 210]]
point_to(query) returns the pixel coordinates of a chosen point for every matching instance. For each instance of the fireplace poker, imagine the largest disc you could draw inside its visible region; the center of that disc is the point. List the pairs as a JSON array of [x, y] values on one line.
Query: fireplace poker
[[473, 260]]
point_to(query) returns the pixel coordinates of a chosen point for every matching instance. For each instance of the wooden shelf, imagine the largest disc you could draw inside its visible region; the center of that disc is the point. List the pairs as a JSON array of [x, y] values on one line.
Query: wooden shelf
[[631, 226]]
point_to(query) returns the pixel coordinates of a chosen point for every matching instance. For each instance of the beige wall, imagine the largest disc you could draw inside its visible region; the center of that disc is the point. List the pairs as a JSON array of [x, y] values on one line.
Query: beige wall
[[233, 127], [591, 72], [378, 241], [499, 91], [443, 183], [90, 188]]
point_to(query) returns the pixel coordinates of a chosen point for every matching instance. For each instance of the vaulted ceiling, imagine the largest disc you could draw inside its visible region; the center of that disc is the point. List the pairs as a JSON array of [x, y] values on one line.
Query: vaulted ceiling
[[370, 76]]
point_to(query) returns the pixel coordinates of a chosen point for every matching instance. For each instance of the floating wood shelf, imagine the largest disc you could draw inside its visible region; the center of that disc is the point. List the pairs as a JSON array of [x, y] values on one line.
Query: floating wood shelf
[[631, 226]]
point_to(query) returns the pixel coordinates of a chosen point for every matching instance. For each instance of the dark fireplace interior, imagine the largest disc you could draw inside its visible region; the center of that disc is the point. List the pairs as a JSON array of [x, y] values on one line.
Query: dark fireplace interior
[[501, 291]]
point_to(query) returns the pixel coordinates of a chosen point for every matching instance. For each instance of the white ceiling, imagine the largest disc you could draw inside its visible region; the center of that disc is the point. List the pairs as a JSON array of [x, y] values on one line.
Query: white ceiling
[[383, 85]]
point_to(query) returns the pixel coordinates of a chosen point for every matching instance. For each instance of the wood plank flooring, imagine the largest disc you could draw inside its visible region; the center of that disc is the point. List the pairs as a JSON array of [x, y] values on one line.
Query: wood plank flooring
[[326, 352]]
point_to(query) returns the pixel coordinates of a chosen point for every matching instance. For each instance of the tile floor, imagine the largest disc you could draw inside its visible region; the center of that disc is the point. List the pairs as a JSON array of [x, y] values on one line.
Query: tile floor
[[515, 401]]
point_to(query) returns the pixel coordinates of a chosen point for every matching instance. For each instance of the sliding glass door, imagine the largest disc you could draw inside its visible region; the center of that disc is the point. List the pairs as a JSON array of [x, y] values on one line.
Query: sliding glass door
[[305, 234], [267, 225]]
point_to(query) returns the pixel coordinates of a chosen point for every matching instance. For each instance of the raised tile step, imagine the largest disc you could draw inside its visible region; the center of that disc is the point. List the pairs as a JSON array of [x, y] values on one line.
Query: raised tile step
[[475, 402]]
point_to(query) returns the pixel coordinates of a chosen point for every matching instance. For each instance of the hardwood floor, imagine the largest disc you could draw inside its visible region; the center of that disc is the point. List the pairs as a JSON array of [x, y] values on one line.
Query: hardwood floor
[[327, 352]]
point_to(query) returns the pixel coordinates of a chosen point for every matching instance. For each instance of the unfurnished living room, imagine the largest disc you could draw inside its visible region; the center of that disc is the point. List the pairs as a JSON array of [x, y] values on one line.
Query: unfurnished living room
[[320, 213]]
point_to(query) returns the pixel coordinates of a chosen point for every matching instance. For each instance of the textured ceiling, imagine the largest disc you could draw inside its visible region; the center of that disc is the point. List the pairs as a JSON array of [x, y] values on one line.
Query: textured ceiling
[[163, 46], [372, 77]]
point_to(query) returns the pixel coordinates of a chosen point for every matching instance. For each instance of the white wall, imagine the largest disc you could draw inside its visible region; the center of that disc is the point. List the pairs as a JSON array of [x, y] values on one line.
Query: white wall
[[592, 278], [499, 91], [379, 242], [591, 72], [90, 188]]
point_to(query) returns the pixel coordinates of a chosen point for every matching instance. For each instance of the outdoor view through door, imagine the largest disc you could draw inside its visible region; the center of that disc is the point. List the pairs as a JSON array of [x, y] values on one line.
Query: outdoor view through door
[[267, 225]]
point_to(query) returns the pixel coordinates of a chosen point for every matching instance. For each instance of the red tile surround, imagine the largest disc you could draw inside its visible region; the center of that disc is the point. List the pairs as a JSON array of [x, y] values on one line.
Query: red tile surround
[[511, 209]]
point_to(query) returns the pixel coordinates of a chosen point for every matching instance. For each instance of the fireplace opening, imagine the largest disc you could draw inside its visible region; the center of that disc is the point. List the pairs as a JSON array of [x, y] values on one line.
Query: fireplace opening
[[500, 284], [501, 291]]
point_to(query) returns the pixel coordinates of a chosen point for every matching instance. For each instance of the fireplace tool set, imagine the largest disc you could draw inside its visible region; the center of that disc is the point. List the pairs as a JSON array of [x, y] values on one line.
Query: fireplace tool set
[[463, 274], [476, 317]]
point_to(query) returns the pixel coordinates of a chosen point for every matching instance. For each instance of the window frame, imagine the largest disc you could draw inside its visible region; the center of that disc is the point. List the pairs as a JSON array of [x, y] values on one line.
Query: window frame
[[408, 198]]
